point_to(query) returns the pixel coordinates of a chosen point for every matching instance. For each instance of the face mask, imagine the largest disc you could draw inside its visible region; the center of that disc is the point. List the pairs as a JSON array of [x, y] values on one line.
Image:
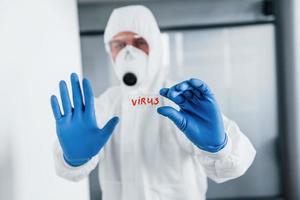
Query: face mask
[[131, 66]]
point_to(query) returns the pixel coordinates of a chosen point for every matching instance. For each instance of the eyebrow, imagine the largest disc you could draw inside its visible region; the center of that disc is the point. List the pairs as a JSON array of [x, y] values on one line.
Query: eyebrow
[[115, 40], [140, 38]]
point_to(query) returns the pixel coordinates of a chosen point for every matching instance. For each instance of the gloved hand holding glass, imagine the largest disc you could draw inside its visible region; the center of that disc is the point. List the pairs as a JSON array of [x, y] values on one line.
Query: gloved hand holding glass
[[199, 117], [77, 129]]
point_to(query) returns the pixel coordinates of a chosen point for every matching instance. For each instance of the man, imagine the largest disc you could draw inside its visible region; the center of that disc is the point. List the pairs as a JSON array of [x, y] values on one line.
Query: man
[[141, 154]]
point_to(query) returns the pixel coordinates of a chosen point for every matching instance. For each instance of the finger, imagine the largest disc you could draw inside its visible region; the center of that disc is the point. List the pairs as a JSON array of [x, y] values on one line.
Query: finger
[[188, 94], [55, 108], [163, 92], [197, 93], [201, 86], [169, 92], [110, 126], [175, 96], [183, 86], [77, 95], [88, 96], [173, 115], [172, 94], [65, 99], [188, 91]]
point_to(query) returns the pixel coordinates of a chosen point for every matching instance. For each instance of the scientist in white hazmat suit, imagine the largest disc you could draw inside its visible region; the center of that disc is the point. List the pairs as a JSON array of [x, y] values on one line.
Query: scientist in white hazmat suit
[[157, 140]]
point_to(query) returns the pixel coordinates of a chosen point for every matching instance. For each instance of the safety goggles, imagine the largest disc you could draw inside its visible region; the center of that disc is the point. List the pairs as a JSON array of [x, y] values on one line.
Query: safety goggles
[[119, 43]]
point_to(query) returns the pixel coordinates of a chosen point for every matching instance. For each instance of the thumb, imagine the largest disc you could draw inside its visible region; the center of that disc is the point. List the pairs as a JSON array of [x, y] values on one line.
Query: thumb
[[110, 126], [173, 115]]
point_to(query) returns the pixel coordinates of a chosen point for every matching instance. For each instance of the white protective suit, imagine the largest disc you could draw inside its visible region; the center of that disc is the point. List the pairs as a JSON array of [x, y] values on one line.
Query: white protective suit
[[147, 157]]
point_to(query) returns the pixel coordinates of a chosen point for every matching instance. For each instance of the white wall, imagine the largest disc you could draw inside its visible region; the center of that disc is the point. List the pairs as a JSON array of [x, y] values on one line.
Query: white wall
[[39, 45]]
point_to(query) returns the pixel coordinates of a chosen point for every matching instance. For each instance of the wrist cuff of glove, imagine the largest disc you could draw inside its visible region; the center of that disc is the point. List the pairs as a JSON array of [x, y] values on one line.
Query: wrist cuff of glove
[[75, 163], [214, 149]]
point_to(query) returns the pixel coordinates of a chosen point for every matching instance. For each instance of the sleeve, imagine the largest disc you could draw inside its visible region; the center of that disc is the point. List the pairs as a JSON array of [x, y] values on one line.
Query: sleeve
[[69, 172], [233, 160]]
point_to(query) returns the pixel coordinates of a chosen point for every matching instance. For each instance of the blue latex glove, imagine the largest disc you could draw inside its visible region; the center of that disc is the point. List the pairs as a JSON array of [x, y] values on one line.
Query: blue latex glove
[[199, 117], [77, 130]]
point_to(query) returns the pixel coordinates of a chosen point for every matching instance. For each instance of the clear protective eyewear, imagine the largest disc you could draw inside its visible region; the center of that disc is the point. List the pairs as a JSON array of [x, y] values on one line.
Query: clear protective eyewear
[[121, 42]]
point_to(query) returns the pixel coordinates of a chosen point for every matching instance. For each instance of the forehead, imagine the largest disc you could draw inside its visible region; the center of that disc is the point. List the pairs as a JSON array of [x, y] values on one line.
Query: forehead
[[126, 35]]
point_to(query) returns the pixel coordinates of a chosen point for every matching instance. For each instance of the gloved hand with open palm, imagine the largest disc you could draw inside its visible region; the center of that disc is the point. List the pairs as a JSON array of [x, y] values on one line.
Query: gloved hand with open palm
[[77, 129], [199, 117]]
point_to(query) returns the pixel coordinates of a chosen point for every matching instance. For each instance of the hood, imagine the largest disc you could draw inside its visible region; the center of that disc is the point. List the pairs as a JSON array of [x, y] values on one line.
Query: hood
[[140, 20]]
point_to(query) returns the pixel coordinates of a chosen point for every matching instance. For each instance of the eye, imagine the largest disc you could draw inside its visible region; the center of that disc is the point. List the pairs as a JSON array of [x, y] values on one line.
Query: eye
[[141, 42], [117, 45]]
